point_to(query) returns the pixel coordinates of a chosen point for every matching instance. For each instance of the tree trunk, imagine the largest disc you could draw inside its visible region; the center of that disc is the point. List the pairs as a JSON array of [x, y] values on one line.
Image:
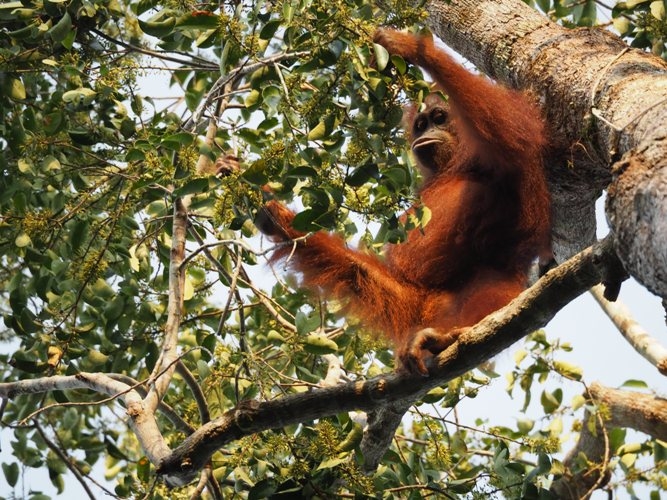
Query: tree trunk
[[605, 104]]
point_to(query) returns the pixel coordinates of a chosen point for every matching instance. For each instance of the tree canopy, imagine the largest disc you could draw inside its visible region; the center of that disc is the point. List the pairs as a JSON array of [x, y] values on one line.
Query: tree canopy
[[138, 307]]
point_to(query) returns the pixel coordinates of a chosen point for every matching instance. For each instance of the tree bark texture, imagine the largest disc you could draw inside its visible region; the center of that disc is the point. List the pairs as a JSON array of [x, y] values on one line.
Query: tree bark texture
[[605, 104]]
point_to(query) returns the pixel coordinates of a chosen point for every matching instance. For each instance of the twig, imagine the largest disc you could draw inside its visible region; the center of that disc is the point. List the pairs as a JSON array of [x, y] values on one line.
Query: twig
[[206, 65], [66, 460]]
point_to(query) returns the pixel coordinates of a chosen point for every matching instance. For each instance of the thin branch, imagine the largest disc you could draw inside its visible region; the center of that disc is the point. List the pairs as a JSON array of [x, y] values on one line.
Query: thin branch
[[261, 296], [207, 473], [164, 368], [192, 384], [207, 246], [642, 341], [142, 422], [233, 292], [206, 65], [234, 75], [66, 460]]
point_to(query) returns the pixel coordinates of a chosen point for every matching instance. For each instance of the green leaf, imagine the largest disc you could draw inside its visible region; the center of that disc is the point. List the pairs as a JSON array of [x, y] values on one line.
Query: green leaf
[[525, 425], [22, 240], [203, 370], [177, 141], [352, 439], [381, 56], [61, 29], [16, 89], [317, 343], [252, 99], [25, 33], [83, 136], [658, 9], [288, 10], [578, 401], [159, 29], [195, 186], [256, 173], [11, 5], [551, 400], [302, 173], [53, 123], [144, 469], [434, 395], [622, 24], [97, 358], [269, 29], [81, 96], [313, 219], [305, 323], [203, 20], [568, 370], [11, 473], [271, 95], [135, 155], [363, 174], [544, 5], [330, 463], [318, 132], [635, 384], [266, 488], [50, 163]]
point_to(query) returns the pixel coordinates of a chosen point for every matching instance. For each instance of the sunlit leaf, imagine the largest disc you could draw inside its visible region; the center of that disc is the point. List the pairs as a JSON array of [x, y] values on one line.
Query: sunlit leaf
[[381, 56], [568, 370], [17, 89], [80, 96], [22, 240], [319, 344]]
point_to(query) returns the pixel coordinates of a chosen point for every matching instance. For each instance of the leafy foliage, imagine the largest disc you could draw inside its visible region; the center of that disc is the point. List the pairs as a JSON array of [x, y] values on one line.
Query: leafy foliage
[[107, 110], [644, 24]]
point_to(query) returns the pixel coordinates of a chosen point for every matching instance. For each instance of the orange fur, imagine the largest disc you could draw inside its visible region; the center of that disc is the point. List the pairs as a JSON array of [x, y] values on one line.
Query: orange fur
[[487, 193]]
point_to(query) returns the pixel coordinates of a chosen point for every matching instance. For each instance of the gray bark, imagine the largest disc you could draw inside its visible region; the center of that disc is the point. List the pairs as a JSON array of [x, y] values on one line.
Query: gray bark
[[603, 101]]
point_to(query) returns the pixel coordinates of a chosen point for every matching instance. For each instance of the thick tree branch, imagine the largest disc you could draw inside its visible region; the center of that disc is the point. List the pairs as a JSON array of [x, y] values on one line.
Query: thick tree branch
[[531, 310], [587, 462], [643, 412], [382, 425], [142, 421]]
